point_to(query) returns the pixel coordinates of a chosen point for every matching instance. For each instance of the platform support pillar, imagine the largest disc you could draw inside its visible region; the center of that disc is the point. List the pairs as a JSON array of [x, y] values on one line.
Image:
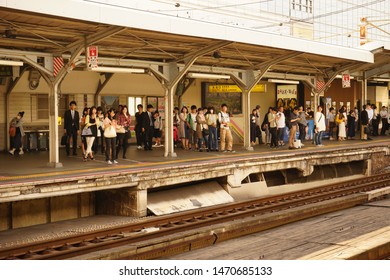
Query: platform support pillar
[[54, 154], [169, 144], [137, 204], [246, 102]]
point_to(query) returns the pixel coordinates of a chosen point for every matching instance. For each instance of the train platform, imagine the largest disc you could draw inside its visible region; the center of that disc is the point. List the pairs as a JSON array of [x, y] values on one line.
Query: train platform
[[32, 166]]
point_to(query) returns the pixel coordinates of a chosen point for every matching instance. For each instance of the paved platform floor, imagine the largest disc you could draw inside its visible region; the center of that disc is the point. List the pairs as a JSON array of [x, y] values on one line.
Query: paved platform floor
[[32, 166], [296, 240]]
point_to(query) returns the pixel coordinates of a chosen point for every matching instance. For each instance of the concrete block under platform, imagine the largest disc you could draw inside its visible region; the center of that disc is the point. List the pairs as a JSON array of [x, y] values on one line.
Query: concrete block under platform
[[64, 208], [31, 212], [187, 198], [249, 190]]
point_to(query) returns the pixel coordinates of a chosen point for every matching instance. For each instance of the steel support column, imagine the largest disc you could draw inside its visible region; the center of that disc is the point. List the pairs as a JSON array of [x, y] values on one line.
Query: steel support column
[[54, 157]]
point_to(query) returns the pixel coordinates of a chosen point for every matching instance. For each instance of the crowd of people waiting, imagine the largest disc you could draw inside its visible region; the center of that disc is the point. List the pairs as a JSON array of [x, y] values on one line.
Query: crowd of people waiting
[[203, 129], [340, 125]]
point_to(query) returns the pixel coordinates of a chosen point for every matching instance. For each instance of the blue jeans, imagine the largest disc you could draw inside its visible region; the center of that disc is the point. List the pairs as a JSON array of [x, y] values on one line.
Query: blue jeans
[[318, 138], [213, 138]]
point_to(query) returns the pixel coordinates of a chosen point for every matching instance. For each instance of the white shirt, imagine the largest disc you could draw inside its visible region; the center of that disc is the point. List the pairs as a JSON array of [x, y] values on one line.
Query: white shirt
[[383, 114], [370, 113], [281, 120], [319, 121], [224, 117]]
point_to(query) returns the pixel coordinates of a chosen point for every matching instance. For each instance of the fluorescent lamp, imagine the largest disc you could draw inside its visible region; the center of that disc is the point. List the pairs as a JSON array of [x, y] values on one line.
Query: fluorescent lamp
[[341, 76], [381, 79], [11, 62], [283, 81], [117, 70], [207, 76]]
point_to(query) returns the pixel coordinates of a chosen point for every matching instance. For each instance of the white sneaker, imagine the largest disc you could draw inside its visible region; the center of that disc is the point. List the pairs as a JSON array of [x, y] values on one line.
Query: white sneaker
[[109, 162], [21, 152], [11, 152], [115, 161], [139, 147]]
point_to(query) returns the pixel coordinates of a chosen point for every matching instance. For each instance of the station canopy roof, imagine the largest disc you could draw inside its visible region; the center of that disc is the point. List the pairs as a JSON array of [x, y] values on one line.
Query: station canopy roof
[[30, 31]]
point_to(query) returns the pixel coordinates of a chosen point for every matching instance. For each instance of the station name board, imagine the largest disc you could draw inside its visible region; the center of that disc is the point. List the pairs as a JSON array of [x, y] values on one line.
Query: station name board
[[233, 88]]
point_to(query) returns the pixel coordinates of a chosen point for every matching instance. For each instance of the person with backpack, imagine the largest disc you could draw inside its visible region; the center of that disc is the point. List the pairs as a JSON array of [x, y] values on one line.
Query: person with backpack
[[265, 125], [16, 134], [302, 124], [294, 119]]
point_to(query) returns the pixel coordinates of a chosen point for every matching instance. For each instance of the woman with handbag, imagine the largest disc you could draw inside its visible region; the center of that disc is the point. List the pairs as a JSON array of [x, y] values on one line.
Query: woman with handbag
[[184, 127], [123, 130], [110, 125], [16, 133], [90, 131], [82, 126], [340, 120], [158, 126], [202, 130]]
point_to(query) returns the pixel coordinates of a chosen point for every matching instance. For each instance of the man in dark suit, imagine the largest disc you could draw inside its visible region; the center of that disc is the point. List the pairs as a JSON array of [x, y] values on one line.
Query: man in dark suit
[[364, 120], [71, 127], [148, 127]]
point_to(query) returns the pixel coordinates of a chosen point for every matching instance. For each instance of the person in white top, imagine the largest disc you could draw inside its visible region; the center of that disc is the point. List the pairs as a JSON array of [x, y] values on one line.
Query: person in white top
[[370, 112], [225, 132], [211, 119], [319, 122], [280, 126], [385, 120]]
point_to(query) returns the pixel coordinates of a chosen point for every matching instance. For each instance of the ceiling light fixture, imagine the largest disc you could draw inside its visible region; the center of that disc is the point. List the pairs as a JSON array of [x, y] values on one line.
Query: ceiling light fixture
[[207, 76], [283, 81], [118, 70], [11, 62], [381, 79]]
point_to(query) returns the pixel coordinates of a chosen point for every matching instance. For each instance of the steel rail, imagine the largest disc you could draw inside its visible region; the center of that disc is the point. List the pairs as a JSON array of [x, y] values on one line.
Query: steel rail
[[67, 247]]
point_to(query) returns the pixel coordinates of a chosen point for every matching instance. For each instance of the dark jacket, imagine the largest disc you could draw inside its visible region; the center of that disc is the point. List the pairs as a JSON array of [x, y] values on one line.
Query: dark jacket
[[69, 122], [364, 117], [146, 121]]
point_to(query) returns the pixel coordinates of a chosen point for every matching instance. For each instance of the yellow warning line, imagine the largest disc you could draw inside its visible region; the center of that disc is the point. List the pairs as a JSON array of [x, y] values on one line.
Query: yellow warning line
[[152, 164]]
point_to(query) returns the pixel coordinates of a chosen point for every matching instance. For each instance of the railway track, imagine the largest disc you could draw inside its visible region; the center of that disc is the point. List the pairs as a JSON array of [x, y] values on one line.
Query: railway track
[[157, 227]]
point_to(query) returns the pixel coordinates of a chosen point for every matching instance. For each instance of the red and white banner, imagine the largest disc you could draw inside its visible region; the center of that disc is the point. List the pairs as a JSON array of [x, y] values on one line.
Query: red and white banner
[[92, 57], [58, 64], [346, 81]]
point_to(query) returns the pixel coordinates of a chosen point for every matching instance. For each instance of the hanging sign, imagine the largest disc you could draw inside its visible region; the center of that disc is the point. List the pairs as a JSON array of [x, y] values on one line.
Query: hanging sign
[[92, 57], [234, 88], [346, 81]]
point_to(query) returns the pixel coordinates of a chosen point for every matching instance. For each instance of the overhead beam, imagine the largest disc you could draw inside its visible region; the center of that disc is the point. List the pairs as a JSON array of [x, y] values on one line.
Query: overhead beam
[[203, 51], [94, 38], [377, 71], [332, 75], [274, 61], [101, 85]]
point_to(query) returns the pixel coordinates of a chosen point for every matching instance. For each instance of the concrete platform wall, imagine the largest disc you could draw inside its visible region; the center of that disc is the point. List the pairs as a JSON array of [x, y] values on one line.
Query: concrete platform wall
[[46, 210]]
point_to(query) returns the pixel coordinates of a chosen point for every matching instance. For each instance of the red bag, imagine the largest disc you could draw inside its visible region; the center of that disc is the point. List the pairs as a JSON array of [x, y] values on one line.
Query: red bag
[[12, 131]]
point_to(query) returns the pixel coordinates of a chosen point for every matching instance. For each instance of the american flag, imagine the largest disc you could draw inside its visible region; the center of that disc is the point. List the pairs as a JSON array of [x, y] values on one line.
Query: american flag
[[320, 83], [58, 64]]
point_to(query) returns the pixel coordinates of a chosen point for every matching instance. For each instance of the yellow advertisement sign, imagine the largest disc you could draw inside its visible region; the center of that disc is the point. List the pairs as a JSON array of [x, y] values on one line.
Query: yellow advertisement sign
[[234, 88]]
